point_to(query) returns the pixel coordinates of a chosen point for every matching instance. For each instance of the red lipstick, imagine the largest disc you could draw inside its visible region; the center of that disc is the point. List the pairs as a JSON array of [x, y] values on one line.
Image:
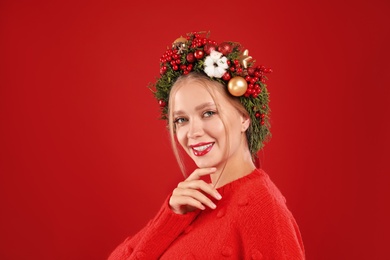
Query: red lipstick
[[201, 149]]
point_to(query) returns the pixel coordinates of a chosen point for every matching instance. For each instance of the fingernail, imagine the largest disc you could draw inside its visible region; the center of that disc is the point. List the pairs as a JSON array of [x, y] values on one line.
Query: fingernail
[[213, 206], [218, 196]]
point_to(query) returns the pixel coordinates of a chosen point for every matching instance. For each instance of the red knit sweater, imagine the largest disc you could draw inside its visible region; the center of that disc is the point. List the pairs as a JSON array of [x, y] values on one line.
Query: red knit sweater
[[251, 221]]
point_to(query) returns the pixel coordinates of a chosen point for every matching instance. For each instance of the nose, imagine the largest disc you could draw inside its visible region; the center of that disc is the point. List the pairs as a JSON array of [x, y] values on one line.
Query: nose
[[195, 129]]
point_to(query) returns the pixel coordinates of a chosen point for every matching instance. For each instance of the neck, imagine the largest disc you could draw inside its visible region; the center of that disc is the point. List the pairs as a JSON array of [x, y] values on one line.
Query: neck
[[233, 169]]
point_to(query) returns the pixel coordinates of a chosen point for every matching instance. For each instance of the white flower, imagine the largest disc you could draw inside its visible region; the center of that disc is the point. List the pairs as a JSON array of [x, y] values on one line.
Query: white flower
[[214, 65]]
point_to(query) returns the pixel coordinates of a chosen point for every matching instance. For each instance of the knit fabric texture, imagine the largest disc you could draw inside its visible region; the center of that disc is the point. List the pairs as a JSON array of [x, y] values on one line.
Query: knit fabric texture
[[251, 221]]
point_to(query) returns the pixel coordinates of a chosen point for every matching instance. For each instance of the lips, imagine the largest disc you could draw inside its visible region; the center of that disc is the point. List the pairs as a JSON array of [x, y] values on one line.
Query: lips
[[201, 149]]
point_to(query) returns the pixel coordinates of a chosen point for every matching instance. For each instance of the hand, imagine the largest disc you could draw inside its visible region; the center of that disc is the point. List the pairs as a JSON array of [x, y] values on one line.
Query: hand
[[191, 193]]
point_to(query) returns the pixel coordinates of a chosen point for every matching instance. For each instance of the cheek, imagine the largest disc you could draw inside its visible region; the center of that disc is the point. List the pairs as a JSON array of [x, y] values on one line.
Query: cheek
[[181, 136], [215, 128]]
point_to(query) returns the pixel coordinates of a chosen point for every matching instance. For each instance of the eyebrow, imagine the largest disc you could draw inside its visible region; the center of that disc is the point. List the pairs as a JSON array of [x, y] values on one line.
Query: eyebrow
[[197, 108]]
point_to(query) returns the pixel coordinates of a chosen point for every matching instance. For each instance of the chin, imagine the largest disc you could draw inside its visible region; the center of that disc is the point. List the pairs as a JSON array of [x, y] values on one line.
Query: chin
[[202, 163], [205, 163]]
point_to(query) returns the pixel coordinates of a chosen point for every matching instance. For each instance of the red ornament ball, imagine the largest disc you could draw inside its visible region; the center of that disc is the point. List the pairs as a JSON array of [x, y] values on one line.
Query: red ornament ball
[[225, 48], [190, 57], [199, 54], [209, 47]]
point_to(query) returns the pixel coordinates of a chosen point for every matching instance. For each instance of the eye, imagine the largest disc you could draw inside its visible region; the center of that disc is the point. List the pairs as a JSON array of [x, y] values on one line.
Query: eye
[[209, 113], [179, 120]]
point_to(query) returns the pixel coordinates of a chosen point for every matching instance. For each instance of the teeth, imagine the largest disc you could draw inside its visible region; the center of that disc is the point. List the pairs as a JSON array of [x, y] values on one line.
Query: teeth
[[202, 148]]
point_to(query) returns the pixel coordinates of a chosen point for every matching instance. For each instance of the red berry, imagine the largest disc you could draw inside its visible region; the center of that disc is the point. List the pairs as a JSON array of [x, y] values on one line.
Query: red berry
[[226, 76], [175, 67], [162, 103], [177, 61], [251, 71], [257, 115]]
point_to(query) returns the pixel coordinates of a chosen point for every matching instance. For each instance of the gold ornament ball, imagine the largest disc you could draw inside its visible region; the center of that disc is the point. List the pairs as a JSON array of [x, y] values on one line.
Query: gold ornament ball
[[237, 86], [180, 39]]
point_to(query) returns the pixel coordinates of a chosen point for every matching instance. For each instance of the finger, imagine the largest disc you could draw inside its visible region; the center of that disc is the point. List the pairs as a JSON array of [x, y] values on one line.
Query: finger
[[183, 197], [177, 204], [200, 185], [201, 172]]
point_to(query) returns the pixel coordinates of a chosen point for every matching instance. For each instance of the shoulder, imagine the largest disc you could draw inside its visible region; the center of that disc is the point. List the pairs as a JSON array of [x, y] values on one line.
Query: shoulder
[[261, 204], [264, 221], [260, 192]]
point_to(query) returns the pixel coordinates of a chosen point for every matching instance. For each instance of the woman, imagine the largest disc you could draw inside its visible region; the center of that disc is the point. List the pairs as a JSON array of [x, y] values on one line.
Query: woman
[[216, 104]]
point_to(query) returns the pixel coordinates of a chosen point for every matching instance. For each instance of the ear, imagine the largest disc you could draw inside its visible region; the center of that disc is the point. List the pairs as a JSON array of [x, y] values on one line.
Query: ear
[[245, 122]]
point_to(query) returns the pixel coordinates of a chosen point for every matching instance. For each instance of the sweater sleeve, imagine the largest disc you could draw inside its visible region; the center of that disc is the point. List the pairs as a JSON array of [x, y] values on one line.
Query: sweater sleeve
[[155, 238]]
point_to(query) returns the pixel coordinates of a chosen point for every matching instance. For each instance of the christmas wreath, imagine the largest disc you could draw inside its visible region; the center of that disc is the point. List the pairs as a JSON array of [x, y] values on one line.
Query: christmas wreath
[[227, 63]]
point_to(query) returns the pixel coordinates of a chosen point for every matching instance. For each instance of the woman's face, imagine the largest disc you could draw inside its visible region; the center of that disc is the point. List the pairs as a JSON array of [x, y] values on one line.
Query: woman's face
[[199, 128]]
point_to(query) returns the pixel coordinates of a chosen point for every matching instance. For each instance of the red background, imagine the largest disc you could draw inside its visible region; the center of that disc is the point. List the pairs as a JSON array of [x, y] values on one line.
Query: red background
[[84, 160]]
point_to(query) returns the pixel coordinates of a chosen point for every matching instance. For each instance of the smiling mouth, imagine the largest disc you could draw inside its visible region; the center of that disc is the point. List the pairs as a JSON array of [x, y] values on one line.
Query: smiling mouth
[[201, 149]]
